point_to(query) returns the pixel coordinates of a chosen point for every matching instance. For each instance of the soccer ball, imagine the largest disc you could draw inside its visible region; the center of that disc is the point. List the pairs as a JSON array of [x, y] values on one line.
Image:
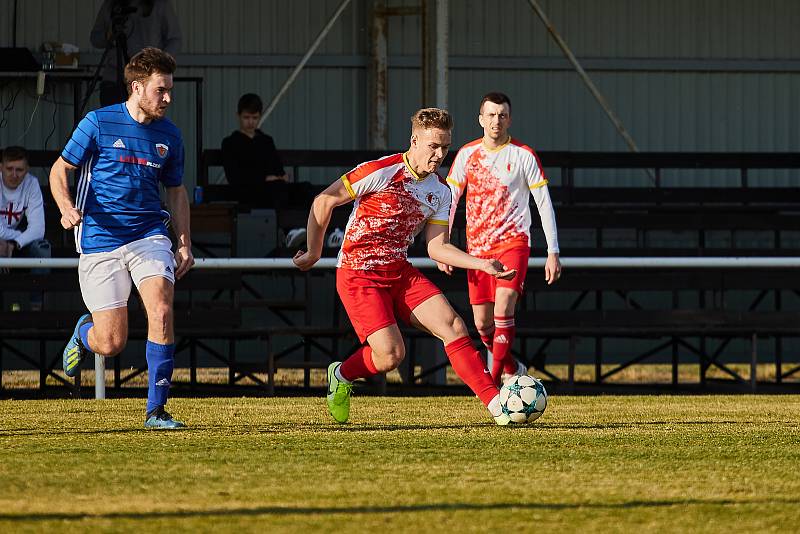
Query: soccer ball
[[523, 398]]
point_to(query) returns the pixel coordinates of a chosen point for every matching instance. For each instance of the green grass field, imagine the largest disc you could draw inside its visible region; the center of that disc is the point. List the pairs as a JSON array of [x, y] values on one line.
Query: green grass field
[[591, 464]]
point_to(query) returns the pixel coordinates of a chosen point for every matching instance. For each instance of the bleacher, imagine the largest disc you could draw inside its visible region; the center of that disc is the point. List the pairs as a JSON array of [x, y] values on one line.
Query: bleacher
[[698, 312]]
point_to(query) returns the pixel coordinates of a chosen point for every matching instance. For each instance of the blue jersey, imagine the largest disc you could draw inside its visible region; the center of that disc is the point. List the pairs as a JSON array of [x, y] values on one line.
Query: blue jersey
[[121, 164]]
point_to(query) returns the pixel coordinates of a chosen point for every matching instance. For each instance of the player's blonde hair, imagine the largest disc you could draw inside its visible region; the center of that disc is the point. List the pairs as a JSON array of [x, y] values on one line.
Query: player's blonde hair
[[428, 118]]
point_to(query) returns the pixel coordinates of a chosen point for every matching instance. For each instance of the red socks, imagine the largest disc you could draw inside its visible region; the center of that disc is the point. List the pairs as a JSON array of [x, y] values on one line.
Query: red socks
[[486, 337], [467, 364], [501, 347], [359, 365]]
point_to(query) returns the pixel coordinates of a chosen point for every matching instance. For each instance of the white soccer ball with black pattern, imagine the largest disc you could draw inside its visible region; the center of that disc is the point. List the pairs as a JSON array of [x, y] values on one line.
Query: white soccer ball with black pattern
[[523, 398]]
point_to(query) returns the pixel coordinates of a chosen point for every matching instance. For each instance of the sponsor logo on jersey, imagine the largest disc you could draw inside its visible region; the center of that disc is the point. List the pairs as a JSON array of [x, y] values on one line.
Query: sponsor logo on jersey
[[162, 149], [139, 161], [118, 144]]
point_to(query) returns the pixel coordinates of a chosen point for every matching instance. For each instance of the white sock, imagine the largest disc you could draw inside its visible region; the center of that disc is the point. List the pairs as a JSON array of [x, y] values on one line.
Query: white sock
[[494, 406], [338, 374]]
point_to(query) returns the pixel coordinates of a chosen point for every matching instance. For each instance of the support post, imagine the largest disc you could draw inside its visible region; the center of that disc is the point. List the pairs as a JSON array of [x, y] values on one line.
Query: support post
[[378, 78], [99, 377], [442, 53], [572, 359], [754, 364]]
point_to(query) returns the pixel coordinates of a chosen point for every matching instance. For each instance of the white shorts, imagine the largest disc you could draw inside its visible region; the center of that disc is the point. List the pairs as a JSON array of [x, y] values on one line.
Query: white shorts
[[105, 277]]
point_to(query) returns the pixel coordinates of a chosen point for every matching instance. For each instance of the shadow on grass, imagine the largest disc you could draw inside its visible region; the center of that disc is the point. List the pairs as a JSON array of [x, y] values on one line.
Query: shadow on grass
[[631, 424], [282, 428], [277, 428], [77, 431], [398, 509]]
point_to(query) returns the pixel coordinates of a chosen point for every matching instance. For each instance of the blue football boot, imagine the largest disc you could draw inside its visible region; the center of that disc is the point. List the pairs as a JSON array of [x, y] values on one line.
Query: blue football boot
[[160, 419], [75, 352]]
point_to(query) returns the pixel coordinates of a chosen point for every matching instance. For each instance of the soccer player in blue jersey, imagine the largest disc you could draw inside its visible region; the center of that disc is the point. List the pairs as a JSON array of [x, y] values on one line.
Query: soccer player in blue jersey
[[124, 152]]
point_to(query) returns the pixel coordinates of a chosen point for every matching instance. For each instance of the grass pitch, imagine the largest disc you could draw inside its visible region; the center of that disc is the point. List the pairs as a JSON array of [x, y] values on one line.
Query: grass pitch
[[591, 464]]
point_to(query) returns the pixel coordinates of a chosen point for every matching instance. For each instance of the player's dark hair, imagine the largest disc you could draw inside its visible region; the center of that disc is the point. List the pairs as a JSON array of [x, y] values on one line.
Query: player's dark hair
[[251, 103], [495, 98], [15, 153], [428, 118], [149, 61]]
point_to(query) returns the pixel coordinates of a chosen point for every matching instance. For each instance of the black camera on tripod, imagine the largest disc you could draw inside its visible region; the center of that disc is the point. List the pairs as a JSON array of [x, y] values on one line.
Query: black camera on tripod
[[120, 11]]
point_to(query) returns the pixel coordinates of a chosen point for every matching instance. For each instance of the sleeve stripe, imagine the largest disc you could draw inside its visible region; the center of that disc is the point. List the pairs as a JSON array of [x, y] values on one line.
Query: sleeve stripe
[[453, 183], [349, 187], [539, 184], [70, 162], [440, 223]]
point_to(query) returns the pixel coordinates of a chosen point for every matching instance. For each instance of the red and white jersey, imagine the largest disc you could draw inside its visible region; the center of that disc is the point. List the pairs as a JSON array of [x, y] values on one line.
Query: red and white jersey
[[498, 182], [392, 205]]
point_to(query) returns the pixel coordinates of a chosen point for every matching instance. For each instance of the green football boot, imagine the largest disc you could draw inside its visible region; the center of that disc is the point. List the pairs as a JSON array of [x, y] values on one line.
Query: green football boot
[[338, 395]]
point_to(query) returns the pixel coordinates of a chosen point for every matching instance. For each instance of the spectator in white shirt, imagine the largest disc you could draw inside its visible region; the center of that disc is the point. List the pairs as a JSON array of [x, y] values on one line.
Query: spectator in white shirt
[[21, 208]]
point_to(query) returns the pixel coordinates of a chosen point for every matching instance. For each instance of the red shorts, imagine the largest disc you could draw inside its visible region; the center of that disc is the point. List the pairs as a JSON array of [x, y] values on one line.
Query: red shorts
[[375, 297], [482, 286]]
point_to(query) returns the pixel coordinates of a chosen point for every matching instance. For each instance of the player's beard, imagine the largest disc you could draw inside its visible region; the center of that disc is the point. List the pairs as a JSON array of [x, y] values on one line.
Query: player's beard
[[151, 109]]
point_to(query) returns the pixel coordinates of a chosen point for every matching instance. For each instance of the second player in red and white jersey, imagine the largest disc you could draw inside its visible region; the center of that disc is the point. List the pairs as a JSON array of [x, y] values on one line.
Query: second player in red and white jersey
[[498, 182], [499, 174], [392, 205]]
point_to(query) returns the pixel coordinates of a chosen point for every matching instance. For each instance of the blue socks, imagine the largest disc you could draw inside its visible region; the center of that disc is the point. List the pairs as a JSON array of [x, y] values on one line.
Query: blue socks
[[160, 362], [84, 332]]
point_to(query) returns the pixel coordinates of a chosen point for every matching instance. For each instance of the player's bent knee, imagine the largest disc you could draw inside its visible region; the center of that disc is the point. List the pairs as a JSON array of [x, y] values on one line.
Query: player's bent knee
[[484, 326], [390, 359], [109, 345]]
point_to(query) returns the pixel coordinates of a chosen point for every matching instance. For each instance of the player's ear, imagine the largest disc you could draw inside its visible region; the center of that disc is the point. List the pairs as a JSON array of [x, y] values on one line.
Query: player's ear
[[480, 120], [413, 139]]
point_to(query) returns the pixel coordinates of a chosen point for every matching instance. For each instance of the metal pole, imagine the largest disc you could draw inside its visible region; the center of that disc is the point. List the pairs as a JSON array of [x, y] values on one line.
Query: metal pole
[[378, 135], [655, 262], [303, 61], [588, 81], [99, 377], [442, 52]]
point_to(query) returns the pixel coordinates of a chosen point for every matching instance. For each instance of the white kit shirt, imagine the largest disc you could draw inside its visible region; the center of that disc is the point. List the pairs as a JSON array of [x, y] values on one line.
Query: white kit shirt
[[498, 182], [24, 202]]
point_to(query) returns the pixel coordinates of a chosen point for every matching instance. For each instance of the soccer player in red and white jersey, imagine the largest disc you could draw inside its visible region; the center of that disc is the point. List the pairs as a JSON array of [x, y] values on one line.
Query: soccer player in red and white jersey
[[397, 197], [498, 173]]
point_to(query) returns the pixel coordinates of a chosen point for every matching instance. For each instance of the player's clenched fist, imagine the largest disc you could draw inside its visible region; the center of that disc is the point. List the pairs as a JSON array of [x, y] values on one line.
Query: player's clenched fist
[[70, 218], [304, 260]]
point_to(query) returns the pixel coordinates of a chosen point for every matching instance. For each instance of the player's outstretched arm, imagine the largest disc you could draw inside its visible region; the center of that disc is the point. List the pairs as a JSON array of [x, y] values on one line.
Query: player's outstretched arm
[[178, 204], [334, 195], [70, 215], [442, 251]]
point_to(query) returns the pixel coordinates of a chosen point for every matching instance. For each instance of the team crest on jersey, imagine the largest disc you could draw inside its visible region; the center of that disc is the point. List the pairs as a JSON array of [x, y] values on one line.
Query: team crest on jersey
[[432, 200], [162, 149]]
